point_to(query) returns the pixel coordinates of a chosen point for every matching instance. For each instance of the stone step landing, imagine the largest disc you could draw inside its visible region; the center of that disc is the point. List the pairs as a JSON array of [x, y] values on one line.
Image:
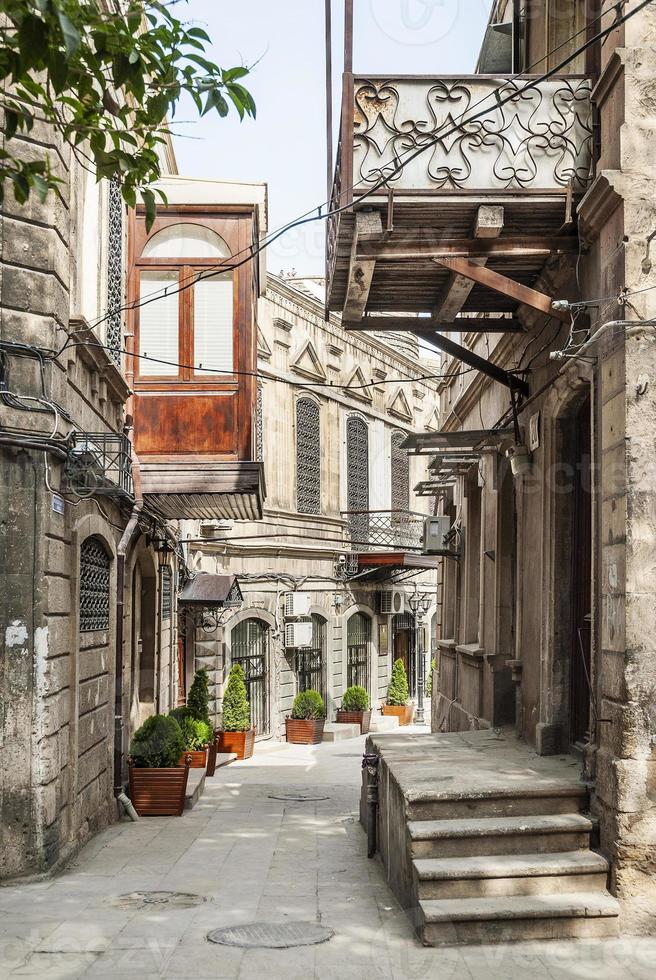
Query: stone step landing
[[383, 723], [499, 835], [336, 732]]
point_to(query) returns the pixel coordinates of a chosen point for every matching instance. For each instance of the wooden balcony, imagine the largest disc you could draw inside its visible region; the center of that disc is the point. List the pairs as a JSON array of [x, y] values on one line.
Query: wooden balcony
[[471, 208]]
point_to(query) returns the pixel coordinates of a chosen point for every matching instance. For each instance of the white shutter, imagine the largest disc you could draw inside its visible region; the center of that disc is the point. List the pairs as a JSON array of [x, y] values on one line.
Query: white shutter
[[158, 324], [213, 325]]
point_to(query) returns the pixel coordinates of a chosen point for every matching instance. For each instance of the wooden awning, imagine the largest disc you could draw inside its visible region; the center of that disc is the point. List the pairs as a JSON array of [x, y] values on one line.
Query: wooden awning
[[203, 490]]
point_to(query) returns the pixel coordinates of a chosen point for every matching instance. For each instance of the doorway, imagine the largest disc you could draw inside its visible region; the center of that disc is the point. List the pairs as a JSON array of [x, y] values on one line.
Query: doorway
[[250, 648], [403, 647], [581, 589]]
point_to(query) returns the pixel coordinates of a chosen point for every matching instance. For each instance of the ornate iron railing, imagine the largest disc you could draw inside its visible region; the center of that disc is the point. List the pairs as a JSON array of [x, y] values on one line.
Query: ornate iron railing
[[378, 530], [541, 138], [99, 463]]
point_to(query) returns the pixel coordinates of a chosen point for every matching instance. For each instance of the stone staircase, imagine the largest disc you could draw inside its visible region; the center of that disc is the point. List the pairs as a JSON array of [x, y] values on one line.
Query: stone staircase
[[507, 865]]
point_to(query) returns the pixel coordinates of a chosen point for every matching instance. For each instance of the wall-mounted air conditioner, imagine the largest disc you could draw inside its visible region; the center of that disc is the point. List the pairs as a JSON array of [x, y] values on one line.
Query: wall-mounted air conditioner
[[298, 635], [297, 604], [391, 602], [435, 532]]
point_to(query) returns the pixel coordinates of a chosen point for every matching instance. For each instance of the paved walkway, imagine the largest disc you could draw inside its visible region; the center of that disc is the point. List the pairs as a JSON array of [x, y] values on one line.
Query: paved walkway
[[245, 857]]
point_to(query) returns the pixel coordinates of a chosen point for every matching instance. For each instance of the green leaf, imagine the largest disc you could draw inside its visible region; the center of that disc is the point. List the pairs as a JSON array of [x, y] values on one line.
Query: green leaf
[[11, 123], [42, 187], [148, 199], [69, 32]]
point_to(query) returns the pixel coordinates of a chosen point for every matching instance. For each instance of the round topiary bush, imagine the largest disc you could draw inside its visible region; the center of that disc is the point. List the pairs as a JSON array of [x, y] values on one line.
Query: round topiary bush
[[236, 709], [308, 705], [179, 714], [198, 698], [397, 691], [158, 744], [355, 698], [196, 734]]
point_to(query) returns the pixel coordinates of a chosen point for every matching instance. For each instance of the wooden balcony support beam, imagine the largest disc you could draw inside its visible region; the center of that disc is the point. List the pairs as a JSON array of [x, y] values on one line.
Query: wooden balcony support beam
[[479, 363], [505, 286], [361, 272], [513, 246], [427, 325], [487, 226]]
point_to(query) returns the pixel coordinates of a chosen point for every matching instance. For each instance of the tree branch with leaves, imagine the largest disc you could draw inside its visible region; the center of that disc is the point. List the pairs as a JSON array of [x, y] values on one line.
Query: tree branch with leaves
[[106, 75]]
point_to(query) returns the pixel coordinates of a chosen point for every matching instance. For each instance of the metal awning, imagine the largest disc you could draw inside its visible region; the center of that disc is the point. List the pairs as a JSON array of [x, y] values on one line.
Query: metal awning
[[431, 488], [211, 592], [461, 439], [379, 564]]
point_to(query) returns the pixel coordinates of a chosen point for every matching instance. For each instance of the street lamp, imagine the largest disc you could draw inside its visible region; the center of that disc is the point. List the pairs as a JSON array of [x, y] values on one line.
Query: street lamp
[[420, 604]]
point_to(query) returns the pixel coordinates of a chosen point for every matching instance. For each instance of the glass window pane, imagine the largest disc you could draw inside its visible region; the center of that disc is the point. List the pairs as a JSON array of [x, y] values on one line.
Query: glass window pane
[[213, 324], [158, 324], [186, 241]]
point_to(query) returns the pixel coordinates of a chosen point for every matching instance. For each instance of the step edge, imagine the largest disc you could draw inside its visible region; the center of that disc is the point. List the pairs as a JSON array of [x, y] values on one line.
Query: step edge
[[498, 829], [532, 792], [589, 907], [591, 865]]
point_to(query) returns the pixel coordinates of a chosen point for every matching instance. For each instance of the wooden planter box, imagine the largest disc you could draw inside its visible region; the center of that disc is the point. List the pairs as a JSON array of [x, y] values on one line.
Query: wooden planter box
[[158, 792], [301, 731], [198, 758], [404, 712], [361, 718], [241, 743]]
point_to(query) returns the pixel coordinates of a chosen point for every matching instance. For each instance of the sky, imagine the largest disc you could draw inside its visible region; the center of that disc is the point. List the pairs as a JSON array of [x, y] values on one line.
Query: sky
[[285, 146]]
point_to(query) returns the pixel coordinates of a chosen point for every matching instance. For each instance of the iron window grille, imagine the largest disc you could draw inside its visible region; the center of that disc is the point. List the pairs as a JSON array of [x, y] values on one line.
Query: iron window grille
[[309, 662], [94, 585], [400, 474], [358, 638], [357, 476], [308, 457], [115, 270], [250, 647], [167, 592], [259, 425], [99, 463]]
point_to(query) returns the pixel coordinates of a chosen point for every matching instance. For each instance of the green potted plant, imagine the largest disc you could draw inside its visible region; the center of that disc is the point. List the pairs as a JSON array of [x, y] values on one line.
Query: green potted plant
[[355, 708], [398, 695], [158, 779], [194, 721], [305, 724], [236, 735]]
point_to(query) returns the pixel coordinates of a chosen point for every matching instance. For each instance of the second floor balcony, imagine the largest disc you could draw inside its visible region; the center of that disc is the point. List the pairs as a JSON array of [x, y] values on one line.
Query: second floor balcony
[[436, 172], [384, 530]]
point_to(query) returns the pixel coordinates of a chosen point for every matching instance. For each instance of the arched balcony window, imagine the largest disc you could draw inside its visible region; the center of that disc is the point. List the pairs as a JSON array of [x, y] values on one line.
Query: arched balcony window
[[308, 457]]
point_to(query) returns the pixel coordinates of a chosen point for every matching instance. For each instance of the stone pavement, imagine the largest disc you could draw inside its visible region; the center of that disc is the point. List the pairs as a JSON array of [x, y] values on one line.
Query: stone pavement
[[241, 856]]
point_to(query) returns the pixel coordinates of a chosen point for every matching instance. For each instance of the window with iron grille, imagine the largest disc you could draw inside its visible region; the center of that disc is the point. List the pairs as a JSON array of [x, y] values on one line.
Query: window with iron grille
[[94, 585], [400, 474], [259, 425], [357, 476], [114, 270], [358, 637], [167, 590], [310, 660], [308, 457]]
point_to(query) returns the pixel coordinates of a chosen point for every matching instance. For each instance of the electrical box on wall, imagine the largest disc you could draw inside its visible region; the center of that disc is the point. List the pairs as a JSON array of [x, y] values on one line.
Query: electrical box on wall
[[435, 532], [297, 604], [298, 635]]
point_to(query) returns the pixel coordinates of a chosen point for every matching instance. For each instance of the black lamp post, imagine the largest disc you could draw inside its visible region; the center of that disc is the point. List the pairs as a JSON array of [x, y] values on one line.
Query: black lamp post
[[420, 604]]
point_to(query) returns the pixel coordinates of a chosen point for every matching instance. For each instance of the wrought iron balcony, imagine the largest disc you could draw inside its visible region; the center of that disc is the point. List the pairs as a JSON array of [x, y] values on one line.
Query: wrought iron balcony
[[99, 463], [446, 146], [380, 530]]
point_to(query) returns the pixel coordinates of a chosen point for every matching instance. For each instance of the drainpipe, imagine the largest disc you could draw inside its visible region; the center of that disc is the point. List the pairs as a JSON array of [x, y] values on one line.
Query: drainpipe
[[122, 550]]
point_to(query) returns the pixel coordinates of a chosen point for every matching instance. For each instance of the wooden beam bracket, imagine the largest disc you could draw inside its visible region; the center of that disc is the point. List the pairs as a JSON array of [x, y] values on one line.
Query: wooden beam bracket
[[480, 364]]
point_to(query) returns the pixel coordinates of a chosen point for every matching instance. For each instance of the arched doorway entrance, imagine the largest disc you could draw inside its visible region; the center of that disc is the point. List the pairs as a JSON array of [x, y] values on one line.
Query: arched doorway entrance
[[358, 639], [403, 647], [143, 652], [249, 646], [310, 661]]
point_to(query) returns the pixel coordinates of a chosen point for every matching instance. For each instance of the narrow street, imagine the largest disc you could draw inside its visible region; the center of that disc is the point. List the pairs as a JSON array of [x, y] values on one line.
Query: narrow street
[[245, 854]]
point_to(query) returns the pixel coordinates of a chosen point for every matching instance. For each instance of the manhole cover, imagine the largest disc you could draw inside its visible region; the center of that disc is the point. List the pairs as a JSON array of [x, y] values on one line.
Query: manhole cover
[[143, 900], [297, 797], [272, 935]]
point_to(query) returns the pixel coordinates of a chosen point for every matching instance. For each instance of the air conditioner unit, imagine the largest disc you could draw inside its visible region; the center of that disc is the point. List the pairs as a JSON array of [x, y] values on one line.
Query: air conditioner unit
[[297, 604], [298, 635], [435, 532], [392, 602]]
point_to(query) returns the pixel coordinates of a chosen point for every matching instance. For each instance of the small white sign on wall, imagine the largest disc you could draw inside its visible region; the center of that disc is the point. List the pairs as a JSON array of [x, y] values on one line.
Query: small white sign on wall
[[534, 432]]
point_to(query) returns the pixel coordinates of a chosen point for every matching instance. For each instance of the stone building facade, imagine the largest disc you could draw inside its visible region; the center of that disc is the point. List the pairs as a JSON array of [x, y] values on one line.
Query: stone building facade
[[82, 582], [333, 410], [547, 619]]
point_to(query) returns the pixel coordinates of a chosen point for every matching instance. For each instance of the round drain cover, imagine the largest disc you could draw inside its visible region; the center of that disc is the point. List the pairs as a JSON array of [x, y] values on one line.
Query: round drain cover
[[272, 935], [142, 900], [296, 797]]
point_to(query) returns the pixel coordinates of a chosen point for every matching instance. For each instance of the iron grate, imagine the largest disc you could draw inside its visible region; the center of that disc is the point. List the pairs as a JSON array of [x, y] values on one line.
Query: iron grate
[[272, 935]]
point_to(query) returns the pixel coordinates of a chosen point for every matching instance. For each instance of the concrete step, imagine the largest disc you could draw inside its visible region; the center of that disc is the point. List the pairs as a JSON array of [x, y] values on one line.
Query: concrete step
[[531, 799], [383, 723], [510, 874], [486, 920], [335, 732], [499, 835]]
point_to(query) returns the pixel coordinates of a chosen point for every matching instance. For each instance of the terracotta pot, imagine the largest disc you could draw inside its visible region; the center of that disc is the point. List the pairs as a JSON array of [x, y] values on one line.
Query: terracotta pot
[[404, 712], [198, 758], [211, 758], [302, 731], [361, 718], [241, 743], [158, 792]]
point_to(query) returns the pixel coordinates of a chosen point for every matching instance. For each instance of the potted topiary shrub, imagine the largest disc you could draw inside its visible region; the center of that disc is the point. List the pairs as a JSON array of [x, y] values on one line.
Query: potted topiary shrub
[[158, 780], [398, 695], [237, 735], [305, 725], [197, 737], [355, 708]]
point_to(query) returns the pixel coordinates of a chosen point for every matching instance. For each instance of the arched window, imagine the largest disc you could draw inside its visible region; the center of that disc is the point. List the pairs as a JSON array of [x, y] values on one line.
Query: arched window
[[249, 647], [310, 661], [357, 477], [399, 474], [196, 322], [308, 457], [358, 637], [94, 585]]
